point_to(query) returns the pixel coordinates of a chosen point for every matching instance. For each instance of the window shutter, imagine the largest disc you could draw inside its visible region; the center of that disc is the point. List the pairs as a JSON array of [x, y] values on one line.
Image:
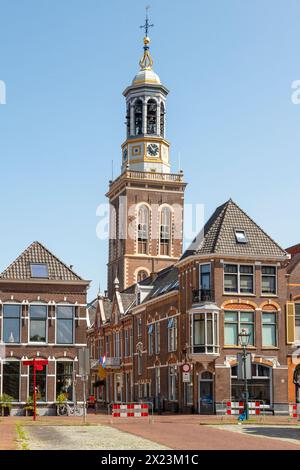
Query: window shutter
[[290, 322]]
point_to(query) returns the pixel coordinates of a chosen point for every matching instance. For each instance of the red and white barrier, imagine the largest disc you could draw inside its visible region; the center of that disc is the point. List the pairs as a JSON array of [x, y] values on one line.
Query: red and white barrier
[[237, 407], [130, 410], [294, 410]]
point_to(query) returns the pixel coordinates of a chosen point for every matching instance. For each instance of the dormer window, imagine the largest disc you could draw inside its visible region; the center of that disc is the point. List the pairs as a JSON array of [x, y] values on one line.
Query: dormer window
[[240, 236], [39, 270]]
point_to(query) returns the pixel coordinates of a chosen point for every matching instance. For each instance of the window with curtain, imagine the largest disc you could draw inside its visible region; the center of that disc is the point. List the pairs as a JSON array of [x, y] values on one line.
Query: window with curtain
[[11, 323], [269, 329], [205, 333], [165, 231], [143, 229], [11, 379], [38, 323], [238, 279], [140, 362], [268, 280], [64, 379], [64, 324], [234, 322]]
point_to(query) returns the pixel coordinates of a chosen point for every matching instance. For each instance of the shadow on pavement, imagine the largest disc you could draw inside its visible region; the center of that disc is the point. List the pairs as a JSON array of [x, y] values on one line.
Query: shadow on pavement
[[284, 433]]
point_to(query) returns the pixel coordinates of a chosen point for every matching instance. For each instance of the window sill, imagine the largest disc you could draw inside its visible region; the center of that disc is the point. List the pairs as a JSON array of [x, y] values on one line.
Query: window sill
[[272, 296], [273, 348], [236, 294], [239, 347]]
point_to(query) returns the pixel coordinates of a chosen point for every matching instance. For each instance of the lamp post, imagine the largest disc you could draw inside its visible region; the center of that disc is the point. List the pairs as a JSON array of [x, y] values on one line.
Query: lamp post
[[244, 341]]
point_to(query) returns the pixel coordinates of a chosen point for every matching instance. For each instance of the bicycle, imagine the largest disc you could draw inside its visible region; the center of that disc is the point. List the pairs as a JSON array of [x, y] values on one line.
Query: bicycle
[[66, 409]]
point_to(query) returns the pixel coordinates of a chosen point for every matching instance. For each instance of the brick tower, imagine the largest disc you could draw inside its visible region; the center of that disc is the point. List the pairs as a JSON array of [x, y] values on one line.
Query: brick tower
[[146, 218]]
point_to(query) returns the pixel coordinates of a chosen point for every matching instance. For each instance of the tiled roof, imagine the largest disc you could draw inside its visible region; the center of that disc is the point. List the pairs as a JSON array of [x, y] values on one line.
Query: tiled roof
[[165, 281], [219, 235], [127, 300], [37, 253]]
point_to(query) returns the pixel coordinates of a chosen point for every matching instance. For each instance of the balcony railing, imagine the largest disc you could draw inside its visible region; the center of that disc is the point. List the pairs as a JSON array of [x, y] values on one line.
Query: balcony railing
[[203, 295]]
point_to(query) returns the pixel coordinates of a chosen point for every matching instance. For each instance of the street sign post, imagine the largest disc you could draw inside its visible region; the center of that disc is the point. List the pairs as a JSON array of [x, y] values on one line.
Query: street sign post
[[186, 377], [37, 364]]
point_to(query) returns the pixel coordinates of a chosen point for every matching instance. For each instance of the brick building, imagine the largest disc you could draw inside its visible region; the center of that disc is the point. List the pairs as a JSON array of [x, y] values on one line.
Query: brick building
[[293, 323], [43, 315], [190, 308]]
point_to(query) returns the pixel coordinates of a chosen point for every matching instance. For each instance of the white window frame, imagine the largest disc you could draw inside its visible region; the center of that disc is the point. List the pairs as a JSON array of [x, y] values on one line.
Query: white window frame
[[239, 274], [215, 327], [150, 328], [266, 294], [172, 334], [47, 321], [73, 330], [20, 323], [239, 322]]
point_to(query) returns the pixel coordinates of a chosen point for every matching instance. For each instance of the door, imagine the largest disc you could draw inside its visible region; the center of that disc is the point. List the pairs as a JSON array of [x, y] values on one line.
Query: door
[[206, 394]]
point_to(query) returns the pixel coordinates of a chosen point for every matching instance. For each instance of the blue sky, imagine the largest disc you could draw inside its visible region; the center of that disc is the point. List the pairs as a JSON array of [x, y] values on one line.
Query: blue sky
[[229, 66]]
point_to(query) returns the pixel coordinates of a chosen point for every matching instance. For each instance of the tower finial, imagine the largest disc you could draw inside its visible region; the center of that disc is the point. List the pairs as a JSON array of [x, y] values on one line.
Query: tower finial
[[147, 25], [146, 61]]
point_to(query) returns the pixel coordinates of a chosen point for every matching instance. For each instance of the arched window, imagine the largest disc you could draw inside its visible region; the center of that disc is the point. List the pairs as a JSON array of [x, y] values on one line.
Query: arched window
[[143, 229], [138, 117], [162, 120], [165, 231], [141, 275], [151, 117], [259, 386]]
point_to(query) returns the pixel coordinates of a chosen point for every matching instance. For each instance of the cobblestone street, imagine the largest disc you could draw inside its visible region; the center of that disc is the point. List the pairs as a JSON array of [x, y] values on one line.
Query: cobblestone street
[[84, 438], [181, 432]]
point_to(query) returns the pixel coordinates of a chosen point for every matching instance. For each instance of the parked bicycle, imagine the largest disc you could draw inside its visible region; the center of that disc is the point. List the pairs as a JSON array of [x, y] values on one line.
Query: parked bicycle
[[68, 409]]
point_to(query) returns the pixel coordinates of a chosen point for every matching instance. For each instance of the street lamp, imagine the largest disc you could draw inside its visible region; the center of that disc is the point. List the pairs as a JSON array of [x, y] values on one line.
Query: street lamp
[[244, 338]]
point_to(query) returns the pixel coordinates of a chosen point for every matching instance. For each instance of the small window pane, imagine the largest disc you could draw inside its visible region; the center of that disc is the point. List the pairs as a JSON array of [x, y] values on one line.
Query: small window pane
[[231, 317], [38, 311], [230, 283], [246, 269], [269, 318], [246, 317], [230, 268], [269, 270], [231, 333], [65, 311], [39, 270]]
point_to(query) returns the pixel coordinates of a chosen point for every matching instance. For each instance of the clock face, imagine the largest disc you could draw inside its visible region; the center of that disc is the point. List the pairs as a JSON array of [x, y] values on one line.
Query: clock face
[[125, 153], [152, 150]]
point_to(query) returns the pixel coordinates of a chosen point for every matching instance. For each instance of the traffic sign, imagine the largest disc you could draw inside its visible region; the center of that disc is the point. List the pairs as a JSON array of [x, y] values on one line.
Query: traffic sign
[[186, 377], [186, 368]]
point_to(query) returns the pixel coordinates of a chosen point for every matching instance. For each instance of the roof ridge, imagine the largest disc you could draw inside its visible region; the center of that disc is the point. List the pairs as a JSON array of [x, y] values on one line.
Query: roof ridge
[[222, 215]]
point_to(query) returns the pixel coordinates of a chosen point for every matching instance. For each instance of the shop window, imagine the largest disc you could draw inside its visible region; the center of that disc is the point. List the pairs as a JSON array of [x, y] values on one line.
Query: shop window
[[64, 379], [11, 379]]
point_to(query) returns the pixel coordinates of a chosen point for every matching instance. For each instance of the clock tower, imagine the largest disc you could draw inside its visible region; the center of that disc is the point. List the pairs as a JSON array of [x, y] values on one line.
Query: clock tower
[[146, 200]]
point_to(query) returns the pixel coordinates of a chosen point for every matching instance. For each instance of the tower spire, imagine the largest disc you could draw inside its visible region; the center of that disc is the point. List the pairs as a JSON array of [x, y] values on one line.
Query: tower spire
[[146, 61]]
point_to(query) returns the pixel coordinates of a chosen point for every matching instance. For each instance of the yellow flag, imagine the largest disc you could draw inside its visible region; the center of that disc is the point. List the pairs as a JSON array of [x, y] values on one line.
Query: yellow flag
[[101, 373]]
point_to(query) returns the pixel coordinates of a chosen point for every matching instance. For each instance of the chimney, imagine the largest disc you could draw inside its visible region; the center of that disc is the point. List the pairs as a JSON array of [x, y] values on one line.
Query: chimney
[[153, 273]]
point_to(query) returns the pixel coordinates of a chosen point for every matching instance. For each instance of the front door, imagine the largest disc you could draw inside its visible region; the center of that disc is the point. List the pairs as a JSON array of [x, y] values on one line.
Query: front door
[[206, 394]]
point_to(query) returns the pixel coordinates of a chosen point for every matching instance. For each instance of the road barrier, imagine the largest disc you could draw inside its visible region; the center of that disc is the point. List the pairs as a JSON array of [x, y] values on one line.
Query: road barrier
[[257, 408], [131, 410], [294, 410]]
